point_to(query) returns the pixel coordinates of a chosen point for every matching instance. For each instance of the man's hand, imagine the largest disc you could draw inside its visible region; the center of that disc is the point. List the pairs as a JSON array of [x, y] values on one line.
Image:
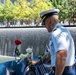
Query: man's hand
[[44, 59], [33, 62]]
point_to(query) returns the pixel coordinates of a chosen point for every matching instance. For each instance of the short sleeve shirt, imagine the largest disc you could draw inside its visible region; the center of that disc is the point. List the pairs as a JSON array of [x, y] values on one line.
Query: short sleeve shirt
[[61, 39]]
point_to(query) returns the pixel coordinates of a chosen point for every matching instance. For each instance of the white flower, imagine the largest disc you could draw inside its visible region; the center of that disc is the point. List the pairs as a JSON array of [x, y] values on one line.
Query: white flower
[[28, 55], [29, 50], [22, 56]]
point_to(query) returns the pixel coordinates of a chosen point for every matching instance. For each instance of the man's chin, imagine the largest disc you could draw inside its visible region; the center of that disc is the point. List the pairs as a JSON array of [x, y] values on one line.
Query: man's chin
[[49, 31]]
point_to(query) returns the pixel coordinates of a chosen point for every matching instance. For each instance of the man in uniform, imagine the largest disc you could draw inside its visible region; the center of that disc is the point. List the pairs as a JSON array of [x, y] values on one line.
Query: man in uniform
[[62, 50]]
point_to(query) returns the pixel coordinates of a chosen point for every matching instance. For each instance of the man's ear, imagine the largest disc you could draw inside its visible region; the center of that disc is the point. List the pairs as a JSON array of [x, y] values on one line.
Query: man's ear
[[49, 20]]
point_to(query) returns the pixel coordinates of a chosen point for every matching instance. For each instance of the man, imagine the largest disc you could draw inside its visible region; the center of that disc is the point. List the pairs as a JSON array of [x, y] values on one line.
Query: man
[[62, 50]]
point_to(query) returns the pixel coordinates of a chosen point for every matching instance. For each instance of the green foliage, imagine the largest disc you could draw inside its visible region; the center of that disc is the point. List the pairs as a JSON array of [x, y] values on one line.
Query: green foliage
[[62, 5], [6, 11], [67, 8], [30, 10], [1, 13], [23, 9], [72, 8], [40, 5]]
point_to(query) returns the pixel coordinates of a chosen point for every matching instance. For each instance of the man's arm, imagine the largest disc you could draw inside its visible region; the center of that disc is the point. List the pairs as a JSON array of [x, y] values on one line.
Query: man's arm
[[44, 59], [60, 61]]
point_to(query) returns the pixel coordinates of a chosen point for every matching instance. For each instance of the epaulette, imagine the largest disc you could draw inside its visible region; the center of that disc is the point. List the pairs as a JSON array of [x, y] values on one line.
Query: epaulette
[[55, 29]]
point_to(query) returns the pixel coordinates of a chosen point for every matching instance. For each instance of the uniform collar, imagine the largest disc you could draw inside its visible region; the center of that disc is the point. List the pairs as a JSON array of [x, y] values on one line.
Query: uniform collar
[[56, 26]]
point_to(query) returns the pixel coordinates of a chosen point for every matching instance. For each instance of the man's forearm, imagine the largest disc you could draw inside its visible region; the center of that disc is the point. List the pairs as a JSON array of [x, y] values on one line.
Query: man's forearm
[[60, 64]]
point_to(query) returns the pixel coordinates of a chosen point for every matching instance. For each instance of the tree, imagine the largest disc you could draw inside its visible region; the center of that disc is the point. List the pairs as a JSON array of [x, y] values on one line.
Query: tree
[[1, 14], [23, 9], [72, 9], [30, 10], [67, 8], [38, 6], [7, 11], [62, 5]]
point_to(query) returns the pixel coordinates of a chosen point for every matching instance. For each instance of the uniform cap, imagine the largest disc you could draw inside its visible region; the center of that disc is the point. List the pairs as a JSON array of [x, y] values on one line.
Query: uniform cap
[[47, 13]]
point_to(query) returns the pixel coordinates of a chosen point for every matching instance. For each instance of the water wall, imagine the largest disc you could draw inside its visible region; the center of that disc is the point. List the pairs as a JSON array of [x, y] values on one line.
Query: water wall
[[36, 38]]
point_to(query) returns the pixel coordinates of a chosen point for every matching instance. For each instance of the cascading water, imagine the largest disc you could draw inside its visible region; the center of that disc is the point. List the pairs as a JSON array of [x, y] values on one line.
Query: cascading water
[[36, 38]]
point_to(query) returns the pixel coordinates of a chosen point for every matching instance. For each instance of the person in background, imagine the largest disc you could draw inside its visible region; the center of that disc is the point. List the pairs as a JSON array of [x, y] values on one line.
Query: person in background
[[62, 49]]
